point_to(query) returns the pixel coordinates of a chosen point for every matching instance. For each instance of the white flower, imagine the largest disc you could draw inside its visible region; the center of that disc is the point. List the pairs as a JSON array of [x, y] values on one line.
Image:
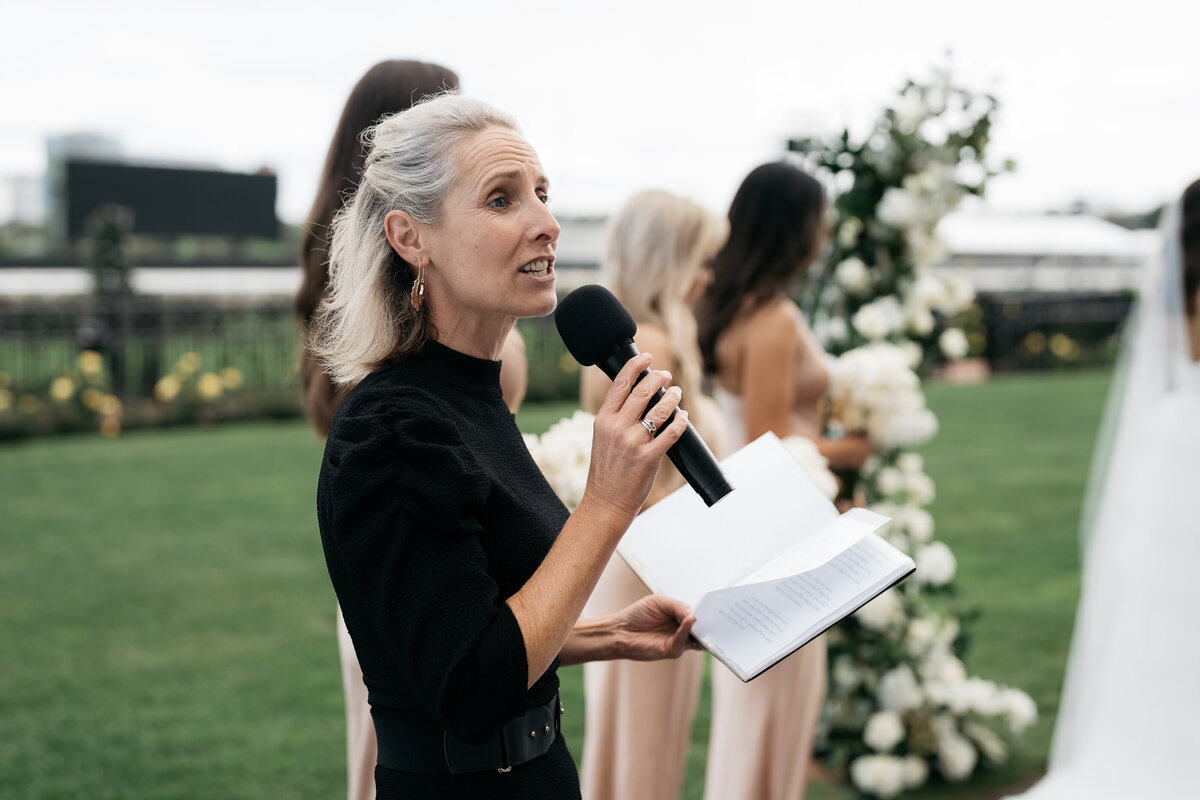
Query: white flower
[[884, 612], [920, 486], [899, 209], [956, 756], [563, 454], [953, 343], [918, 523], [919, 320], [882, 776], [846, 674], [854, 276], [872, 321], [889, 481], [831, 331], [909, 463], [916, 772], [898, 690], [1019, 708], [921, 636], [935, 564], [913, 352], [848, 232], [805, 451], [884, 730], [959, 294], [991, 745], [928, 292], [911, 111]]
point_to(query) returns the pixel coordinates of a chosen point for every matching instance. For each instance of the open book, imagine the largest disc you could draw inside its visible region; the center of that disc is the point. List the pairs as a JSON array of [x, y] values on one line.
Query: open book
[[769, 567]]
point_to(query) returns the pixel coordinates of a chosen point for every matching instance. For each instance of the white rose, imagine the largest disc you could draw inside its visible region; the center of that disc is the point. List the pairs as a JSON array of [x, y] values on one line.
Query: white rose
[[935, 564], [898, 690], [956, 756], [918, 523], [913, 353], [916, 772], [846, 674], [889, 481], [831, 331], [871, 321], [953, 343], [910, 462], [884, 730], [921, 490], [899, 209], [920, 320], [882, 776], [928, 291], [815, 465], [959, 294], [884, 612], [922, 633], [1019, 708], [854, 276], [848, 232]]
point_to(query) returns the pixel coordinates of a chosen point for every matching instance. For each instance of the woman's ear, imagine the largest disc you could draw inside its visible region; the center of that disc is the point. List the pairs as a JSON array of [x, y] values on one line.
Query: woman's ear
[[404, 235]]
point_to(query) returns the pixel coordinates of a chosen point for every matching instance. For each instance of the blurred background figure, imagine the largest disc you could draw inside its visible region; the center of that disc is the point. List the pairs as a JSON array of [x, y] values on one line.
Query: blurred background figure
[[639, 715], [769, 374], [1135, 641], [387, 88]]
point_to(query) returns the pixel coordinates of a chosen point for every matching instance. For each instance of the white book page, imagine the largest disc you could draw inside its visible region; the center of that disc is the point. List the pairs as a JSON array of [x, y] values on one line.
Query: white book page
[[821, 547], [684, 549], [751, 626]]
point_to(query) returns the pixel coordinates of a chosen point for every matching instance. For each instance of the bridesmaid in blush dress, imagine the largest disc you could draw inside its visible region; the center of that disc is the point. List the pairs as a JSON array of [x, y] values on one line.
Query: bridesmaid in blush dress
[[639, 715], [769, 374]]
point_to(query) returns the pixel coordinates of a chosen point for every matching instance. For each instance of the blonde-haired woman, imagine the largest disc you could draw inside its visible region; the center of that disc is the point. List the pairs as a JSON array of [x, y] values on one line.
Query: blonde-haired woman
[[639, 716]]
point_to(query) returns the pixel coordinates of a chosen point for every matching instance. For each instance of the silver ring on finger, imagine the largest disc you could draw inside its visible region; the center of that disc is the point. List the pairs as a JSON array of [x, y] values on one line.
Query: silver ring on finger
[[650, 427]]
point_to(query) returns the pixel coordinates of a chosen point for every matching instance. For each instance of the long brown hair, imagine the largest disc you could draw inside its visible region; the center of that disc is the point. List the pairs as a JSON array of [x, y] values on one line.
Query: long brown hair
[[775, 229], [389, 87], [1190, 234]]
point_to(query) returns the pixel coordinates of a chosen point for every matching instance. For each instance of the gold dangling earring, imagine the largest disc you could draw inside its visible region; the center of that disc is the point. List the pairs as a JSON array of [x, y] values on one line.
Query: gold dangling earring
[[417, 296]]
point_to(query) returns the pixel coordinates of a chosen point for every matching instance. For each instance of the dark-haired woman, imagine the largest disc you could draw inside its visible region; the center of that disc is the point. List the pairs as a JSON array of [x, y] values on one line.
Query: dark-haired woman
[[769, 374], [388, 87]]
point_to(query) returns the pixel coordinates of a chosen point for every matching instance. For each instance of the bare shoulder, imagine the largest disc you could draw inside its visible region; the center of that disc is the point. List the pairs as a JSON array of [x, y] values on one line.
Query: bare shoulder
[[777, 320], [654, 340]]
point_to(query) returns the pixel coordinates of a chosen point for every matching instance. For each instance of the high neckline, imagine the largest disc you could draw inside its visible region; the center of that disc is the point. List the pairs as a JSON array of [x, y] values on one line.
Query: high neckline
[[478, 377]]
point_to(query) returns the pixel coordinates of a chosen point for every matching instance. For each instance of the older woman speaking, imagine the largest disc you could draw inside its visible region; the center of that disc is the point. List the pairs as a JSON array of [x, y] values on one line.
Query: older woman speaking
[[460, 574]]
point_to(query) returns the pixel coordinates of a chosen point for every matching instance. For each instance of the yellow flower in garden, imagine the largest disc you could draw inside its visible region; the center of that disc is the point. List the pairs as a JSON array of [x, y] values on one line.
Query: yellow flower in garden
[[231, 377], [209, 386], [91, 362], [168, 388], [110, 406], [6, 400], [110, 427], [29, 404], [1035, 342], [91, 398], [1064, 347], [189, 362], [62, 389]]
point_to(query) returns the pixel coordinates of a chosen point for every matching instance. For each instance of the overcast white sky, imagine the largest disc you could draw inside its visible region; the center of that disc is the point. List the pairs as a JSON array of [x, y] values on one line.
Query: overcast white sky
[[1100, 100]]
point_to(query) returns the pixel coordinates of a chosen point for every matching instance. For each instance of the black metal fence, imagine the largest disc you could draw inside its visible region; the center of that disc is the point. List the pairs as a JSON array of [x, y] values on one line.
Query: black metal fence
[[145, 339]]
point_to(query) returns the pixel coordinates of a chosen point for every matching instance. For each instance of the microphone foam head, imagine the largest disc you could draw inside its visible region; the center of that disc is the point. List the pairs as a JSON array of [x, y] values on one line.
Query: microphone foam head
[[591, 322]]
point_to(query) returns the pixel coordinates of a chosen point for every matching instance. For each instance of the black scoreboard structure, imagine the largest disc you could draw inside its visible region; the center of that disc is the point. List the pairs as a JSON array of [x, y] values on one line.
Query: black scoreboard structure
[[171, 200]]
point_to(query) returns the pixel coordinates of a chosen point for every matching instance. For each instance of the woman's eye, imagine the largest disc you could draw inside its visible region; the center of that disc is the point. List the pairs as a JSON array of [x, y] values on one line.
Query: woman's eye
[[545, 198], [498, 202]]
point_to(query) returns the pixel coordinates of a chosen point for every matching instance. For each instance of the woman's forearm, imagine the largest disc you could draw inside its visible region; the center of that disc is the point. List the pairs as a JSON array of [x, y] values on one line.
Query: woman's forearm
[[549, 604]]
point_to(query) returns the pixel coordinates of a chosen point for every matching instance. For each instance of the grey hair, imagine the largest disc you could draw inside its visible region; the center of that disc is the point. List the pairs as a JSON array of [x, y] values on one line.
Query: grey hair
[[366, 320]]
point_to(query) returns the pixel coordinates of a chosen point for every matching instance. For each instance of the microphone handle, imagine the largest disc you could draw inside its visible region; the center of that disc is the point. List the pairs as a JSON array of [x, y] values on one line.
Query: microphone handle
[[690, 455]]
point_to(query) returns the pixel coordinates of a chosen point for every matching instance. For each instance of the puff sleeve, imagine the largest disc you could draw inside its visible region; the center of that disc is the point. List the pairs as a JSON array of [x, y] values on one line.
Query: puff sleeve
[[401, 503]]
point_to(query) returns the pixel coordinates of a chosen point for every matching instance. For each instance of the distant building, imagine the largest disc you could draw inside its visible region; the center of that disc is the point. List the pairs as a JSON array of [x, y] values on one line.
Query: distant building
[[59, 150], [22, 200]]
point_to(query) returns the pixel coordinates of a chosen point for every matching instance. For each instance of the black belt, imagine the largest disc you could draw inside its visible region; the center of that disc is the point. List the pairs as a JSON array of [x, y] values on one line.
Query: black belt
[[409, 745]]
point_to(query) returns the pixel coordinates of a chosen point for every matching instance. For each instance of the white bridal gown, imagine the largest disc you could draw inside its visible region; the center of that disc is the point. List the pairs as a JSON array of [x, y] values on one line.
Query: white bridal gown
[[1129, 725]]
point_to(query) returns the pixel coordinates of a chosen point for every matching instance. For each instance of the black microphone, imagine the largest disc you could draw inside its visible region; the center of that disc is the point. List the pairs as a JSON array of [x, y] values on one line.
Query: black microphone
[[598, 330]]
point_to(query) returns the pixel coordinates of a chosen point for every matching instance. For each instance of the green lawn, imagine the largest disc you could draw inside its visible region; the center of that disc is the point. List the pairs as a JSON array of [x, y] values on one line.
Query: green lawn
[[167, 623]]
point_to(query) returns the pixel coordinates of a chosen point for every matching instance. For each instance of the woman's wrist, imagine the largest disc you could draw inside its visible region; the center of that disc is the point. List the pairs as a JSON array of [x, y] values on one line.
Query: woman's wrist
[[592, 639]]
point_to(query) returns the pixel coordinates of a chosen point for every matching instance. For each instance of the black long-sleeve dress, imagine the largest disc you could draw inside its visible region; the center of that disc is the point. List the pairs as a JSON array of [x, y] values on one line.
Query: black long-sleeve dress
[[432, 514]]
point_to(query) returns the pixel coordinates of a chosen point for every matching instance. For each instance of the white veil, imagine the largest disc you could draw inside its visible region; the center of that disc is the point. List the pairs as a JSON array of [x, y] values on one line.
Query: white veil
[[1126, 726]]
